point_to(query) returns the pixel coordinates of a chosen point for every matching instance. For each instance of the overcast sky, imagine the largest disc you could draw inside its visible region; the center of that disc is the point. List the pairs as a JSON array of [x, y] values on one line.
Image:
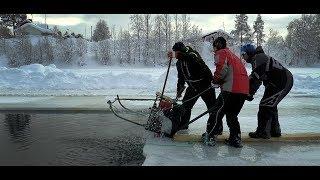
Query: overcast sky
[[207, 22]]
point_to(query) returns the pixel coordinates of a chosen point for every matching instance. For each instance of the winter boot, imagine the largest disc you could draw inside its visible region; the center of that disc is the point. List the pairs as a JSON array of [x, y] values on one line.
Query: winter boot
[[234, 141], [275, 134], [257, 135], [207, 140]]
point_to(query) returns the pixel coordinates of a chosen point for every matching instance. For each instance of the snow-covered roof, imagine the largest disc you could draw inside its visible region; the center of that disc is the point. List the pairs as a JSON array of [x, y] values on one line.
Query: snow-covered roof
[[217, 33], [32, 29]]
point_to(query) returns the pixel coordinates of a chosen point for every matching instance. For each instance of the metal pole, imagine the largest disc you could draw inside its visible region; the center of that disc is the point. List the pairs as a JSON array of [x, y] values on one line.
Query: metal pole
[[45, 20], [85, 32], [165, 81]]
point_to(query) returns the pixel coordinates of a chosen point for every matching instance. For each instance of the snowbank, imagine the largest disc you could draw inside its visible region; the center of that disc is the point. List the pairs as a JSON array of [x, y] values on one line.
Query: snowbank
[[147, 80]]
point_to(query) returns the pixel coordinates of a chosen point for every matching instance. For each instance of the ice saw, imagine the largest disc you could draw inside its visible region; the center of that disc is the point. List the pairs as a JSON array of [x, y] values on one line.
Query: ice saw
[[163, 118]]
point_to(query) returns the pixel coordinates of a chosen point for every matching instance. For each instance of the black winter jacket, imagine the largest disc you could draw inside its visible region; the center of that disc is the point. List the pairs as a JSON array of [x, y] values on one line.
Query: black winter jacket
[[193, 71], [267, 70]]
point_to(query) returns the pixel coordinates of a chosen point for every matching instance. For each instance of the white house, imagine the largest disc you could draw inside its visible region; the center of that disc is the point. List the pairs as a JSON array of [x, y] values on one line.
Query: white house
[[28, 28]]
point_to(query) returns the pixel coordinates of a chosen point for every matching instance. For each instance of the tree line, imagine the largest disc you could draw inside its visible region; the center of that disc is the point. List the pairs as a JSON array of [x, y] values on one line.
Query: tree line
[[300, 47], [148, 37]]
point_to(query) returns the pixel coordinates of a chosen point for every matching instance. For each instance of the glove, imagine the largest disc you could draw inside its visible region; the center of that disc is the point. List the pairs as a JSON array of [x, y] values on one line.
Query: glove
[[179, 94], [249, 97], [170, 55], [215, 85]]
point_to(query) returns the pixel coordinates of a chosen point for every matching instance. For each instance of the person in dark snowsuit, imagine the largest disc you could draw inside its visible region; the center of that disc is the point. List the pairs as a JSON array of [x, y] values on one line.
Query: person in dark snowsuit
[[233, 79], [193, 71], [277, 80]]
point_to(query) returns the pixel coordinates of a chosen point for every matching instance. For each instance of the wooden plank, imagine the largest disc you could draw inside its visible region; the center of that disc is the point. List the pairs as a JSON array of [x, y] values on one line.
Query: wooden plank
[[246, 138]]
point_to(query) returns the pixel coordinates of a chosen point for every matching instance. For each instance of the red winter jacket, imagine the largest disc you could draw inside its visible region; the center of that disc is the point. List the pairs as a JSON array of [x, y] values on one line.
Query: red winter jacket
[[230, 72]]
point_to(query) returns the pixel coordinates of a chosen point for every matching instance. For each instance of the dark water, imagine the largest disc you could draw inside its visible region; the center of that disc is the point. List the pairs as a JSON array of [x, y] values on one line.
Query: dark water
[[69, 139]]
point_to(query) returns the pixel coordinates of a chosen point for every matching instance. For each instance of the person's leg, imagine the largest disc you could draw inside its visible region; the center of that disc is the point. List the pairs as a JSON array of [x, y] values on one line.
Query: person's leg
[[216, 114], [232, 109], [188, 105], [275, 126], [265, 114], [268, 114], [210, 99]]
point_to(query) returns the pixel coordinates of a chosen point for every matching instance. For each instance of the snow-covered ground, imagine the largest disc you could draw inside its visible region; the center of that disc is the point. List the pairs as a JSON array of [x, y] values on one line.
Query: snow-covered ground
[[36, 79]]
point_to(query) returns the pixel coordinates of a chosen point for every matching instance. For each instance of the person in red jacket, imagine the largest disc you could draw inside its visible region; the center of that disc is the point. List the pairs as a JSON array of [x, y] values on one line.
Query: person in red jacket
[[233, 79]]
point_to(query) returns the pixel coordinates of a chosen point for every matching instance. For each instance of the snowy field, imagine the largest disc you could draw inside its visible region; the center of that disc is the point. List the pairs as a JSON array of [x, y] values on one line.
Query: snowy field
[[298, 112]]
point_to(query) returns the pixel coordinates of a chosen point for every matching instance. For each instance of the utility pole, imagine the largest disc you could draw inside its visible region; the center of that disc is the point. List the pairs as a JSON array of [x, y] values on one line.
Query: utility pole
[[45, 20], [91, 34], [223, 26]]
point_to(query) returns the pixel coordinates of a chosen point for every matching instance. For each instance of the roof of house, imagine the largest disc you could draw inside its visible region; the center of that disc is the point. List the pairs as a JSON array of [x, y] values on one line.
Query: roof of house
[[31, 26]]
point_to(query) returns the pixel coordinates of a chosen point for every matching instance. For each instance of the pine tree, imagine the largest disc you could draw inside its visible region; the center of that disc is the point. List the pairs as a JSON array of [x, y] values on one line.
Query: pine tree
[[5, 32], [242, 29], [12, 20], [101, 31], [258, 30]]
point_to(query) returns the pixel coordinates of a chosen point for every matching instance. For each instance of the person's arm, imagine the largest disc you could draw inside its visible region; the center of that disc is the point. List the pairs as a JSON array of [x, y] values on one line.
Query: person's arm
[[256, 77], [221, 68], [181, 80], [255, 83]]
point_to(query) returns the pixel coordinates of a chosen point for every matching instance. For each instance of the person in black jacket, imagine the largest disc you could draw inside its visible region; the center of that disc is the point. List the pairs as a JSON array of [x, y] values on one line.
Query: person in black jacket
[[193, 71], [278, 82]]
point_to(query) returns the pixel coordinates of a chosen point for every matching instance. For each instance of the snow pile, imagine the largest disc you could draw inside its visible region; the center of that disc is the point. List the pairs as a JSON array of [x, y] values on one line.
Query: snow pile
[[37, 76], [306, 85], [146, 80]]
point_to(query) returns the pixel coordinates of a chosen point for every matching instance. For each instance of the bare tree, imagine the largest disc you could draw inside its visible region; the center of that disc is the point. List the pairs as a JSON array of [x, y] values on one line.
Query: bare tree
[[166, 22], [25, 49], [147, 32], [119, 49], [5, 32], [104, 52], [66, 50], [158, 36], [176, 28], [185, 20], [127, 47], [3, 46], [12, 55], [136, 22], [113, 40]]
